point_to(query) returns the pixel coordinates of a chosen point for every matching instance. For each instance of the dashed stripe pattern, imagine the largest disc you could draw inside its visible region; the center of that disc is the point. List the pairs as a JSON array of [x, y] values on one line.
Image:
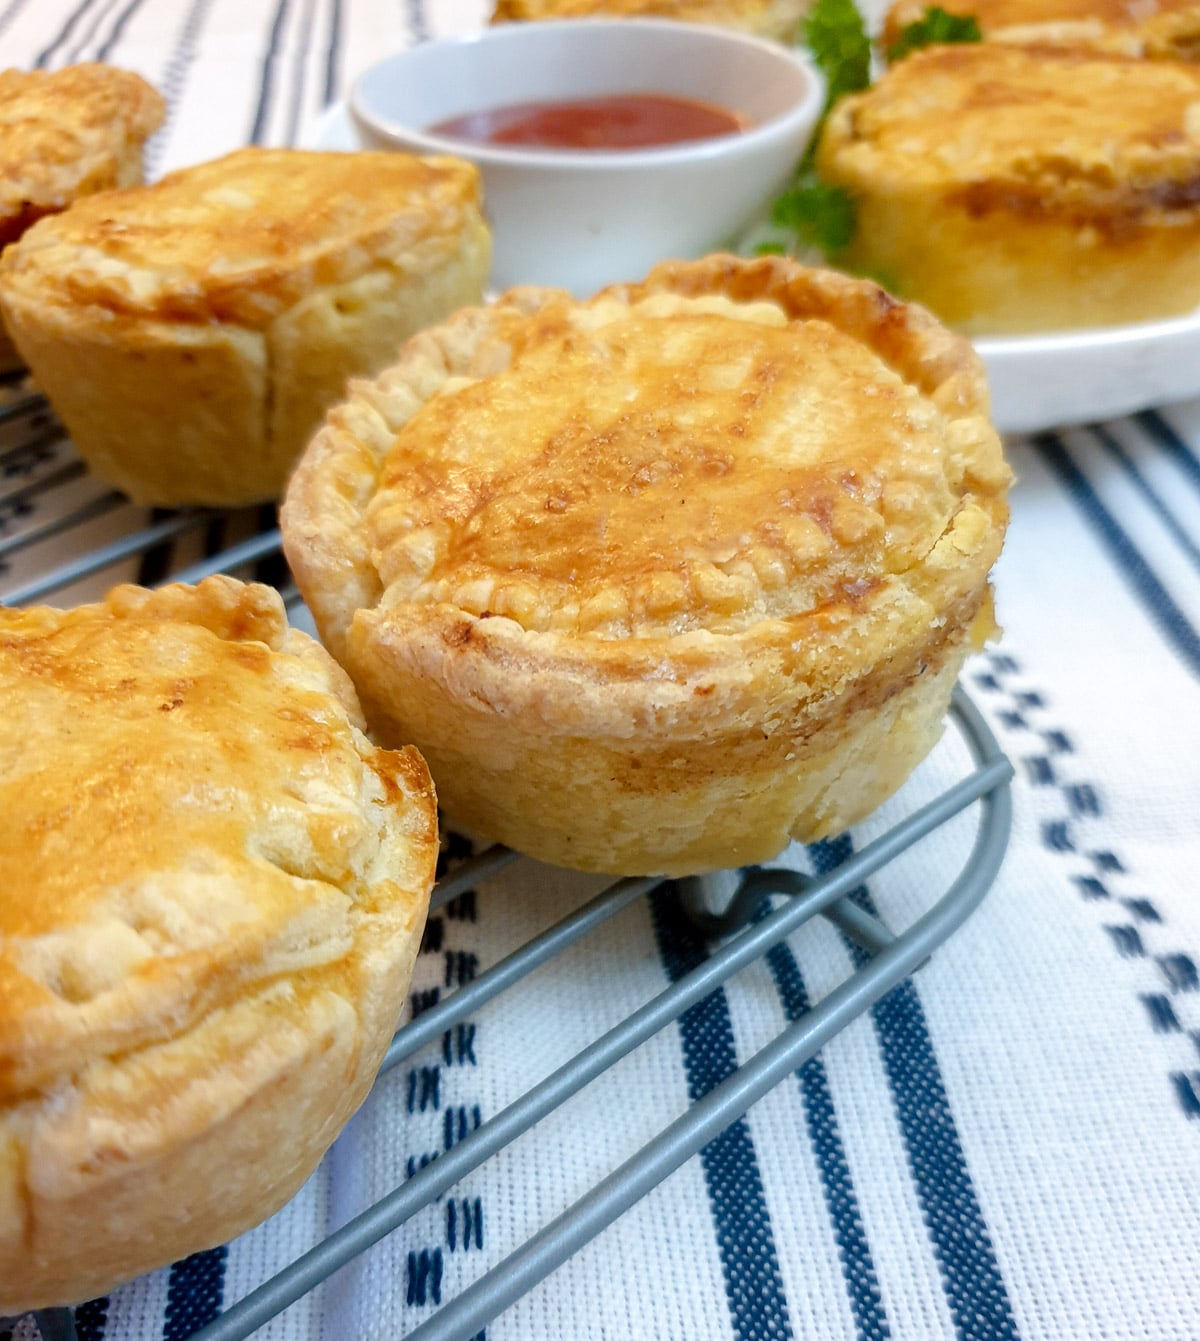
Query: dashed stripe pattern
[[194, 1293], [443, 1105], [1129, 918], [174, 78]]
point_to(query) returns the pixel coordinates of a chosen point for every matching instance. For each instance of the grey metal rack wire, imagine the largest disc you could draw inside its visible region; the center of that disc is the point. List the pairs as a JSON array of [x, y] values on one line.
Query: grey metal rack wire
[[728, 905]]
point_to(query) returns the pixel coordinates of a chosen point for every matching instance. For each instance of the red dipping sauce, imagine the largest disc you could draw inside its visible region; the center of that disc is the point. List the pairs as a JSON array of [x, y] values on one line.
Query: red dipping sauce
[[624, 121]]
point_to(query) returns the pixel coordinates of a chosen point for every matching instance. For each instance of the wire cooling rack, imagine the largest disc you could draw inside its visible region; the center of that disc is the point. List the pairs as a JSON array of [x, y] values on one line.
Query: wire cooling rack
[[740, 908]]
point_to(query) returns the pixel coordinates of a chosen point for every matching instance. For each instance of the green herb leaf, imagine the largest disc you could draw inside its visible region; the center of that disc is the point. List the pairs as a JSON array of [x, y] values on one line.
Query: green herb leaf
[[935, 27], [820, 215], [838, 40]]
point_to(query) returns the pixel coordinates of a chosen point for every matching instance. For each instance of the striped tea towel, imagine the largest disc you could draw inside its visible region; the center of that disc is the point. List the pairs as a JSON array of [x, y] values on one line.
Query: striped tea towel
[[1008, 1146]]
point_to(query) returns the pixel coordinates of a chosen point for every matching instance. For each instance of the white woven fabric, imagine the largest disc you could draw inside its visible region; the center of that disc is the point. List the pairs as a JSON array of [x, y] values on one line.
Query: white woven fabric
[[1008, 1148]]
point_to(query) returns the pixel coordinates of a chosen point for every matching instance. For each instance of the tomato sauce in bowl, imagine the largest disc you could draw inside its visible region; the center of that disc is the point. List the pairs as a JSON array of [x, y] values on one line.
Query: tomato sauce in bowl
[[621, 121]]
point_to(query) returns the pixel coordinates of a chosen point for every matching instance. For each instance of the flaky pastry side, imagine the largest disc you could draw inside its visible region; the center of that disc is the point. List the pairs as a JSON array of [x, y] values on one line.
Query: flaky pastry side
[[1014, 189], [212, 888], [66, 134], [192, 333], [660, 579]]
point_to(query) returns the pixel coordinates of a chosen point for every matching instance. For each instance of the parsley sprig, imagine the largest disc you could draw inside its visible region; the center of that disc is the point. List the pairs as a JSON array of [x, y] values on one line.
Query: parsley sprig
[[820, 215], [935, 26], [813, 214], [837, 38]]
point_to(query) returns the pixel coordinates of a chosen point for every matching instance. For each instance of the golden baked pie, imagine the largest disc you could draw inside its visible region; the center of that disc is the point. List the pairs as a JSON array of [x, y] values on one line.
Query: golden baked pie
[[1159, 29], [660, 579], [212, 888], [1017, 189], [65, 134], [192, 333], [779, 19]]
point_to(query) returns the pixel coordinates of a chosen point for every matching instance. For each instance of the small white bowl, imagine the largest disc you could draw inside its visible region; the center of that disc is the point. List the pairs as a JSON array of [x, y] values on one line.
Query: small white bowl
[[580, 219]]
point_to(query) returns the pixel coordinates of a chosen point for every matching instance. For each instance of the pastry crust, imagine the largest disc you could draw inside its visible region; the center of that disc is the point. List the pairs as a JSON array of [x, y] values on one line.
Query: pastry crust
[[1156, 29], [192, 333], [662, 578], [213, 888], [779, 19], [69, 133], [1018, 189], [66, 134]]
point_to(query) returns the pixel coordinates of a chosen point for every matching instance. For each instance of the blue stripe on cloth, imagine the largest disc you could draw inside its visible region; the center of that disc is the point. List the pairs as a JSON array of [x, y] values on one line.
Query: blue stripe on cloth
[[106, 51], [1170, 619], [745, 1241], [85, 39], [332, 53], [854, 1252], [91, 1319], [1164, 434], [173, 81], [975, 1290], [299, 76], [1176, 529], [42, 59], [11, 13], [195, 1291], [266, 79], [418, 24]]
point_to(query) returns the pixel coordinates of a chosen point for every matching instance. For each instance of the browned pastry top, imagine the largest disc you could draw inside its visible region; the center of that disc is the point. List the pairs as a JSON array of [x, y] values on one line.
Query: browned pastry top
[[674, 481], [1027, 129], [190, 816], [1134, 27], [650, 464], [66, 134], [244, 237]]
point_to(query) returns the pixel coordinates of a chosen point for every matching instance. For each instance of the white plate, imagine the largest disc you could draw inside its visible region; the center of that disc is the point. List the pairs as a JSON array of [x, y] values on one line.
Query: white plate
[[1045, 381], [1038, 381]]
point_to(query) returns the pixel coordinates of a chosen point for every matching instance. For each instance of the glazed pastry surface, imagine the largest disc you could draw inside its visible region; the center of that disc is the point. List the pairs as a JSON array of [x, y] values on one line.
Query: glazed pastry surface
[[191, 334], [69, 133], [1016, 188], [649, 577], [211, 890]]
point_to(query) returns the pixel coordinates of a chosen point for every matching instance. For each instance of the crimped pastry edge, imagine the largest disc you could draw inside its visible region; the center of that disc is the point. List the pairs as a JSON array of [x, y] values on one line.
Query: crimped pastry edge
[[658, 755], [516, 671], [83, 1206]]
